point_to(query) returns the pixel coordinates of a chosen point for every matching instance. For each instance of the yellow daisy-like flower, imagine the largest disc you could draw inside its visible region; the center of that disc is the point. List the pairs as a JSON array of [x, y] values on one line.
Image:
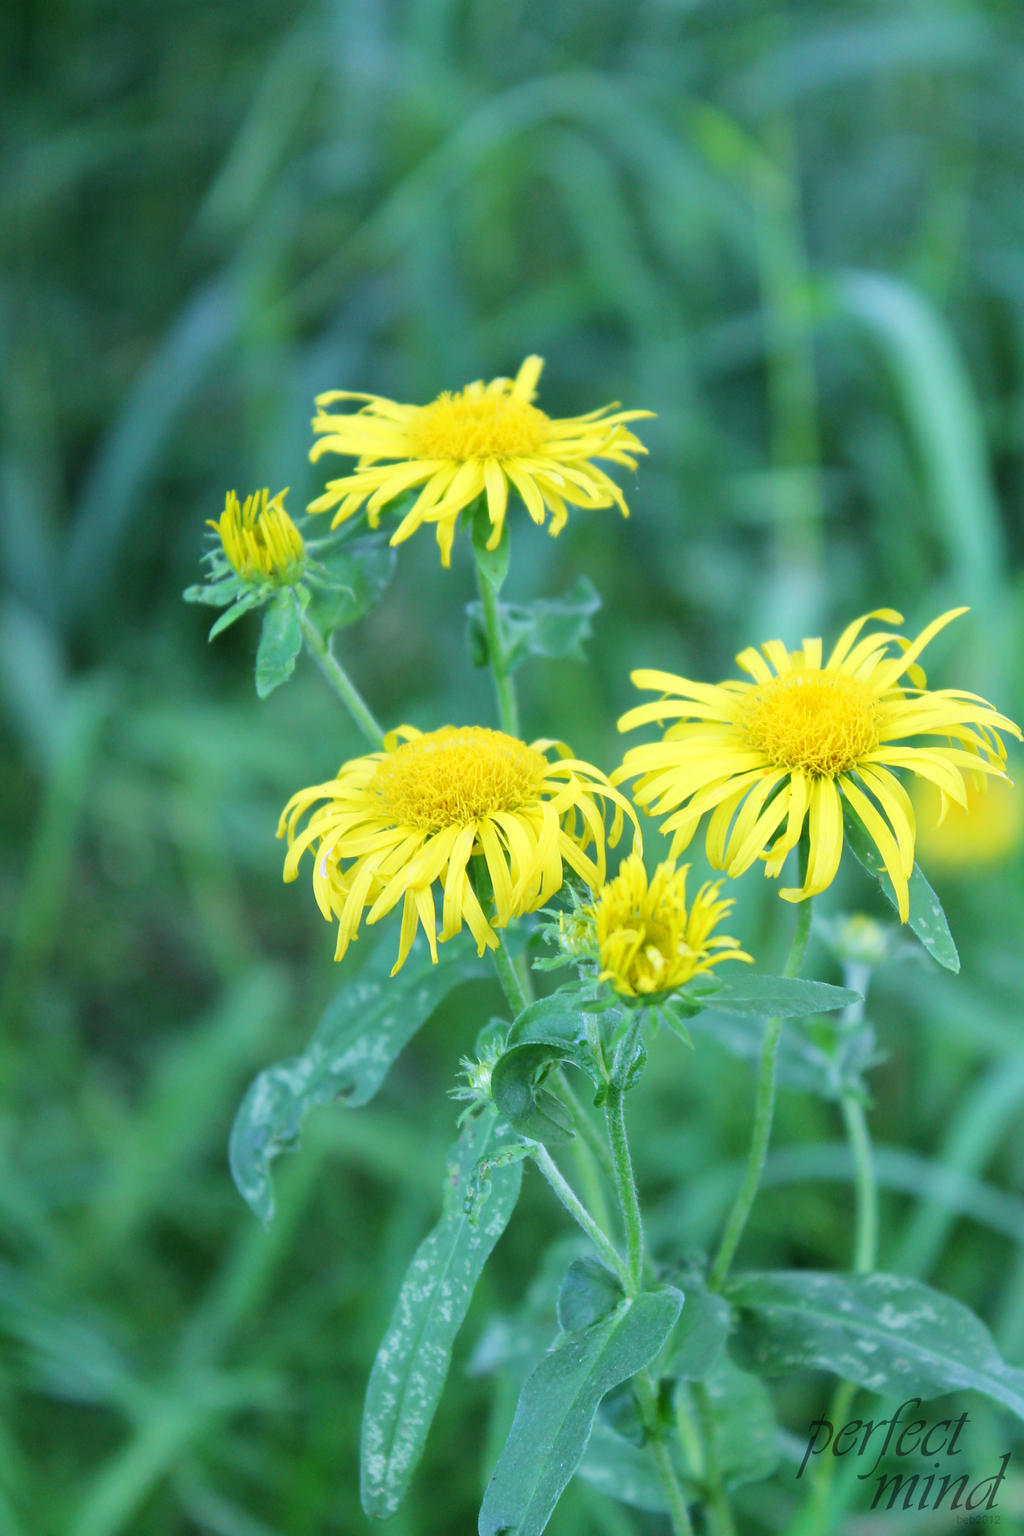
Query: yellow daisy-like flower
[[482, 439], [648, 939], [259, 538], [395, 824], [800, 738]]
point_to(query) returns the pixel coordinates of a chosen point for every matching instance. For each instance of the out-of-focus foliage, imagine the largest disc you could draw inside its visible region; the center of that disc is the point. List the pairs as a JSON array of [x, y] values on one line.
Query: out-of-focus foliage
[[796, 234]]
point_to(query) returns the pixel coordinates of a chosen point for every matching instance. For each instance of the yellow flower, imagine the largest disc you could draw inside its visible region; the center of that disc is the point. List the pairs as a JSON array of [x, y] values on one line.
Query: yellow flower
[[398, 822], [801, 738], [259, 538], [482, 439], [985, 832], [648, 939]]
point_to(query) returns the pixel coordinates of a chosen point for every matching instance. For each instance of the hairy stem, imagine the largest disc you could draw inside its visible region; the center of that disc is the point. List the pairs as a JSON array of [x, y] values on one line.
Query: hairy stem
[[340, 682], [625, 1186], [579, 1213], [679, 1515]]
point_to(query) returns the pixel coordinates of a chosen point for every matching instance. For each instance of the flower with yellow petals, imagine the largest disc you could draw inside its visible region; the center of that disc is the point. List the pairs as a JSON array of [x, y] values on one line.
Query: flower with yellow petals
[[457, 810], [484, 439], [648, 939], [790, 746], [259, 538]]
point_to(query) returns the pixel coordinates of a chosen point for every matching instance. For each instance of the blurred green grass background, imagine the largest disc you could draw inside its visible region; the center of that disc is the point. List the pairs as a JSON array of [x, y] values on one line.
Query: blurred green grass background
[[797, 234]]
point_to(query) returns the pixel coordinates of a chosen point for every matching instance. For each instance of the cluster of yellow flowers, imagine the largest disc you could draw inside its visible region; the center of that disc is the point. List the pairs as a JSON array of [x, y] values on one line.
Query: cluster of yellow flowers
[[477, 818]]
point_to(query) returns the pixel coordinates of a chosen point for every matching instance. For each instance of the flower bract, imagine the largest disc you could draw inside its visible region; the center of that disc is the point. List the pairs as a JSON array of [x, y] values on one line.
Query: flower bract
[[649, 939], [466, 815], [482, 440], [765, 757]]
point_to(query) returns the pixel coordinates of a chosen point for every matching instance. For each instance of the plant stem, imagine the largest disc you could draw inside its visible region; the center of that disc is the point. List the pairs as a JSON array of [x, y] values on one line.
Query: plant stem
[[579, 1213], [678, 1513], [764, 1112], [625, 1185], [339, 680], [866, 1242], [497, 657], [721, 1521], [511, 982]]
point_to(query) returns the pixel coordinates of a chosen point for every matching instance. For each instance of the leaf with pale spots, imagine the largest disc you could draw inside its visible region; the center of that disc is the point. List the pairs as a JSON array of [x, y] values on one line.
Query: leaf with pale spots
[[884, 1332], [557, 1407], [412, 1363], [927, 918], [361, 1033]]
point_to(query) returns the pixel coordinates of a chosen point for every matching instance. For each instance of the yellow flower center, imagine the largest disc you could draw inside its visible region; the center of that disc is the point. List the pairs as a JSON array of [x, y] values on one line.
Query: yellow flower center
[[822, 722], [478, 425], [450, 777]]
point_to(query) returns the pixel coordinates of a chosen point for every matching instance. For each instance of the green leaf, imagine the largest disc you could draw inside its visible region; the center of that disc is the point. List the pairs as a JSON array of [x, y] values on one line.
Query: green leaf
[[882, 1331], [250, 599], [557, 1406], [745, 1428], [550, 1031], [926, 915], [785, 997], [589, 1292], [361, 1033], [215, 593], [412, 1363], [699, 1336], [621, 1470], [280, 642], [553, 627], [491, 563], [348, 580]]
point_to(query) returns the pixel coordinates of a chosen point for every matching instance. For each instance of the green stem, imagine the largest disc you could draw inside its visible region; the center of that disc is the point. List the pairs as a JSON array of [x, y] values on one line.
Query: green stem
[[678, 1513], [339, 680], [865, 1252], [764, 1112], [497, 657], [511, 981], [625, 1186], [720, 1515], [578, 1211]]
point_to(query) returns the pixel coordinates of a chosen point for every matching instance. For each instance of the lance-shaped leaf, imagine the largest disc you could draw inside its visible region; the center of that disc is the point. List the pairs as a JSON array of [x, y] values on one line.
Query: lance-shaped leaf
[[280, 640], [885, 1332], [361, 1033], [927, 918], [412, 1363], [557, 1406], [780, 997], [553, 627]]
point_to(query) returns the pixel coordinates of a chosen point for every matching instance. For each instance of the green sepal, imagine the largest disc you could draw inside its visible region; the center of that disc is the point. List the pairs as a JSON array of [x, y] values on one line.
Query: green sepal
[[412, 1364], [926, 918], [251, 597], [216, 594], [491, 563]]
